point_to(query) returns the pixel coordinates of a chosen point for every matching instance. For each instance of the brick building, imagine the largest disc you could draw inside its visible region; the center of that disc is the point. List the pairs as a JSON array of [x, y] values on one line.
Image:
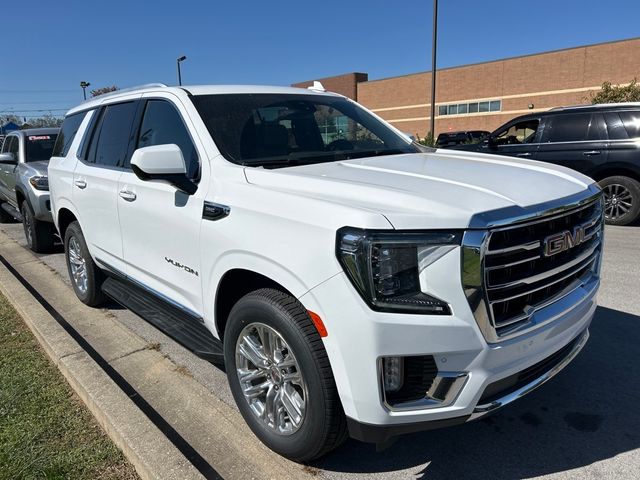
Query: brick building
[[483, 96]]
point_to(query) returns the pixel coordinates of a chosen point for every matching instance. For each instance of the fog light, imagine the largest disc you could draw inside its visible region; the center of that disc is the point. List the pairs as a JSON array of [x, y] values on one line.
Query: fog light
[[392, 373]]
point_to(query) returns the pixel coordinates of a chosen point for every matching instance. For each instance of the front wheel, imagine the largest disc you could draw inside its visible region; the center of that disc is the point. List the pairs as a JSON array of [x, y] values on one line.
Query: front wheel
[[86, 277], [621, 200], [280, 376], [39, 234]]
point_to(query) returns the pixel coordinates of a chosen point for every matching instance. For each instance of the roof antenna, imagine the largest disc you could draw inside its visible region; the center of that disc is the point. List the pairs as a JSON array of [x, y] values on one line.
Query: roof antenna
[[317, 86]]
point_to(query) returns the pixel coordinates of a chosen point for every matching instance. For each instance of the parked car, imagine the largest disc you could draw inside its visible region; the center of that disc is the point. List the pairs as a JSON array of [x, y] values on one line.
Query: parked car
[[24, 186], [601, 141], [447, 139], [350, 282]]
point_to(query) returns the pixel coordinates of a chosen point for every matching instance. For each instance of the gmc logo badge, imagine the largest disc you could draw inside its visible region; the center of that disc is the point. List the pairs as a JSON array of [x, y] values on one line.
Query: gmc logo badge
[[560, 242]]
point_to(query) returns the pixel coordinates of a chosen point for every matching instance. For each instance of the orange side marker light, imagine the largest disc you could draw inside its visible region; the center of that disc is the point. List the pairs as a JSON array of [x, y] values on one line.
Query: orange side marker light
[[317, 321]]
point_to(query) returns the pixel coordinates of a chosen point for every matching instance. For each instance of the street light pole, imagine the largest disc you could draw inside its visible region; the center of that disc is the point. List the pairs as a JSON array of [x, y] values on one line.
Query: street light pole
[[84, 86], [178, 61], [434, 45]]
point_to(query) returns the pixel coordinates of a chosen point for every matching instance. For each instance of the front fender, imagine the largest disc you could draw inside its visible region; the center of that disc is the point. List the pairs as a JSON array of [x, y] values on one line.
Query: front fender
[[245, 260]]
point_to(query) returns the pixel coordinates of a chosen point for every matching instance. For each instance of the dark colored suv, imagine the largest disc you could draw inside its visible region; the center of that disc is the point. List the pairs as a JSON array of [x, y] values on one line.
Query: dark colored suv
[[447, 139], [601, 141]]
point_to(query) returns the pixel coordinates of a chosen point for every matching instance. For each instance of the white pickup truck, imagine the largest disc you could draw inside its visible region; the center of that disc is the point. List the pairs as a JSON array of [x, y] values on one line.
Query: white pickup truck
[[352, 282]]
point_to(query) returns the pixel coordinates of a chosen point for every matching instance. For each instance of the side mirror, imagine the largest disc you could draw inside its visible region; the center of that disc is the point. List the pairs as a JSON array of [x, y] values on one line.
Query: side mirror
[[163, 162], [491, 141], [8, 158]]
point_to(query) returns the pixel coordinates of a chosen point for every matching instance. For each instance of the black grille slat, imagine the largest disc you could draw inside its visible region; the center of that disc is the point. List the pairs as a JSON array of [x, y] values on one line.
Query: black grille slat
[[519, 278]]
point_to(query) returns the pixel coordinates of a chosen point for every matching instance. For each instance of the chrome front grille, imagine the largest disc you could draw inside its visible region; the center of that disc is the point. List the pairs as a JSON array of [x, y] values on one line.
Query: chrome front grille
[[510, 272]]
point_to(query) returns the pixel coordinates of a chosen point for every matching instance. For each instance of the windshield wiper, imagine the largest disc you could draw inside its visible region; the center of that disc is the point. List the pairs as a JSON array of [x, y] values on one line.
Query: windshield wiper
[[308, 158]]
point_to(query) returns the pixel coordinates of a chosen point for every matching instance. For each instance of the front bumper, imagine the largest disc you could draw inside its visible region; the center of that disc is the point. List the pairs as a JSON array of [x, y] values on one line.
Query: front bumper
[[358, 337], [41, 205]]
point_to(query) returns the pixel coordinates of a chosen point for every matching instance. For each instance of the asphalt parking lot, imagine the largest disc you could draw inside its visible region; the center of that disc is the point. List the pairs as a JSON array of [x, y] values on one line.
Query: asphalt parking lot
[[583, 424]]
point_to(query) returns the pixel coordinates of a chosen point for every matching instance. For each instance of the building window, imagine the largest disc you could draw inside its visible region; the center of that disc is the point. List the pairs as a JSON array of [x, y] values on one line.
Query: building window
[[471, 107]]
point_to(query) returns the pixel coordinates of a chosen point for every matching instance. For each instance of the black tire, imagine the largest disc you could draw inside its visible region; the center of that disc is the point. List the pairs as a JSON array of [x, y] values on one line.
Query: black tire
[[622, 199], [323, 426], [92, 294], [39, 235]]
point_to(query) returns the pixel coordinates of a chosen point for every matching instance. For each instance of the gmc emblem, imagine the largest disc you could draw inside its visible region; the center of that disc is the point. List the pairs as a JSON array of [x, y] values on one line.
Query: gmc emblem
[[560, 242]]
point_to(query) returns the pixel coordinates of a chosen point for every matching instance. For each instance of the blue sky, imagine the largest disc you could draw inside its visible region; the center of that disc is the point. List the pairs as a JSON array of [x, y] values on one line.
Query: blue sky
[[57, 44]]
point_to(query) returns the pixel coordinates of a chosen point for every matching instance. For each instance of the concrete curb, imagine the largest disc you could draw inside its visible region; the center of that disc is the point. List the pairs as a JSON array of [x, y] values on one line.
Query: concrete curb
[[212, 428], [138, 438]]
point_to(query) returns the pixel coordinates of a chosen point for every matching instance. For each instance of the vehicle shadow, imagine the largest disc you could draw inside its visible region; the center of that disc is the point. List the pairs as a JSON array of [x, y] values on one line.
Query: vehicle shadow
[[586, 414]]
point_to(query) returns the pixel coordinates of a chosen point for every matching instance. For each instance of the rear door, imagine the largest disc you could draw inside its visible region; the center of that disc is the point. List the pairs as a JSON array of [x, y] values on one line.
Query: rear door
[[95, 189], [160, 224], [574, 140], [624, 139]]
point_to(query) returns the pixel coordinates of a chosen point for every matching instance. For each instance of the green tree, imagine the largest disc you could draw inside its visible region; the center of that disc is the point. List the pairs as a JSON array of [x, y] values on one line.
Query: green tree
[[46, 121], [617, 93], [6, 118], [103, 90], [427, 141]]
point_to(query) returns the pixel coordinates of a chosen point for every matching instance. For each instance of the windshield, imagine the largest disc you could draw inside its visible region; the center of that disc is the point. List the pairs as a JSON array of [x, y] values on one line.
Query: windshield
[[277, 130], [39, 147]]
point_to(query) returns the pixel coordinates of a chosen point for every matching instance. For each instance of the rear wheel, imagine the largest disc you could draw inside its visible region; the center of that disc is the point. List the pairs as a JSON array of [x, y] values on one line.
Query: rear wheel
[[39, 234], [86, 277], [280, 376], [621, 200]]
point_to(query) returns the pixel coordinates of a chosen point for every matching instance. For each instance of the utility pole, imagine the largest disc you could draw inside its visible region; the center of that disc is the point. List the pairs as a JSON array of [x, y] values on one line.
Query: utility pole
[[179, 60], [434, 48], [84, 86]]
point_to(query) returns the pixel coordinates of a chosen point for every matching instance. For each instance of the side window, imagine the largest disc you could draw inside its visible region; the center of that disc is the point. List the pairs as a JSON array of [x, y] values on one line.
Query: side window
[[7, 144], [518, 133], [67, 134], [110, 139], [631, 122], [615, 127], [14, 146], [572, 128], [162, 125]]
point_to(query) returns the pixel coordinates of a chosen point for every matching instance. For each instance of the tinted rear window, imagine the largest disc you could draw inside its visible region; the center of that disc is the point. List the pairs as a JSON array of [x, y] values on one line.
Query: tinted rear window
[[39, 147], [571, 128], [631, 122], [110, 140], [67, 134]]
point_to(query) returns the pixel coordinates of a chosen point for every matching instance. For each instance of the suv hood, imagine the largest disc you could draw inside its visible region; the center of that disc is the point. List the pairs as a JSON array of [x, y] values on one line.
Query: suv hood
[[443, 189], [38, 168]]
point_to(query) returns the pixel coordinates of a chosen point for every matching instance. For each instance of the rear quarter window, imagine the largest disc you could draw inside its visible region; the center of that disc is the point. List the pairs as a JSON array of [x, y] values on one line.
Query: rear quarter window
[[631, 121], [67, 133]]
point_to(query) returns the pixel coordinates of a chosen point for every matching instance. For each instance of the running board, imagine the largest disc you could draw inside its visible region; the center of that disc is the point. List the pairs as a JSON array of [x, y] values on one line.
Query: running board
[[11, 210], [182, 327]]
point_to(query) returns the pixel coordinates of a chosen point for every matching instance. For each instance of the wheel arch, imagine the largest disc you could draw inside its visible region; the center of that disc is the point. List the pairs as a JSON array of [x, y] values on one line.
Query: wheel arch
[[234, 285], [64, 218], [614, 171]]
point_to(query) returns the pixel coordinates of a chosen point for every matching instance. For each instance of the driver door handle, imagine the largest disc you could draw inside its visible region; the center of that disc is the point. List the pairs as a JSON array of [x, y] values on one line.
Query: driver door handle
[[591, 152], [81, 184], [128, 195], [527, 154]]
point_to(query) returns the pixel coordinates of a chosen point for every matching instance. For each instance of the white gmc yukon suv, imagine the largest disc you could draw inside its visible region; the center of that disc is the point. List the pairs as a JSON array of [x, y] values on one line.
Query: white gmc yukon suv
[[352, 282]]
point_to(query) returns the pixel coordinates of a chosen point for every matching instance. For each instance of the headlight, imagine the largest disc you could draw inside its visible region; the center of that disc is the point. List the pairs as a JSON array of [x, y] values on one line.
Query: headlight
[[39, 182], [385, 266]]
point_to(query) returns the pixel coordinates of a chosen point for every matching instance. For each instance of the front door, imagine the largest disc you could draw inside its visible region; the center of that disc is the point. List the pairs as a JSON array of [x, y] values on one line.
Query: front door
[[517, 139], [161, 225], [7, 170]]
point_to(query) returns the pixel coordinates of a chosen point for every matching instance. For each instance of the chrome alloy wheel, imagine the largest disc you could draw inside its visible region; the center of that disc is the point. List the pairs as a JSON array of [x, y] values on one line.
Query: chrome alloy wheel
[[270, 378], [617, 201], [78, 265]]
